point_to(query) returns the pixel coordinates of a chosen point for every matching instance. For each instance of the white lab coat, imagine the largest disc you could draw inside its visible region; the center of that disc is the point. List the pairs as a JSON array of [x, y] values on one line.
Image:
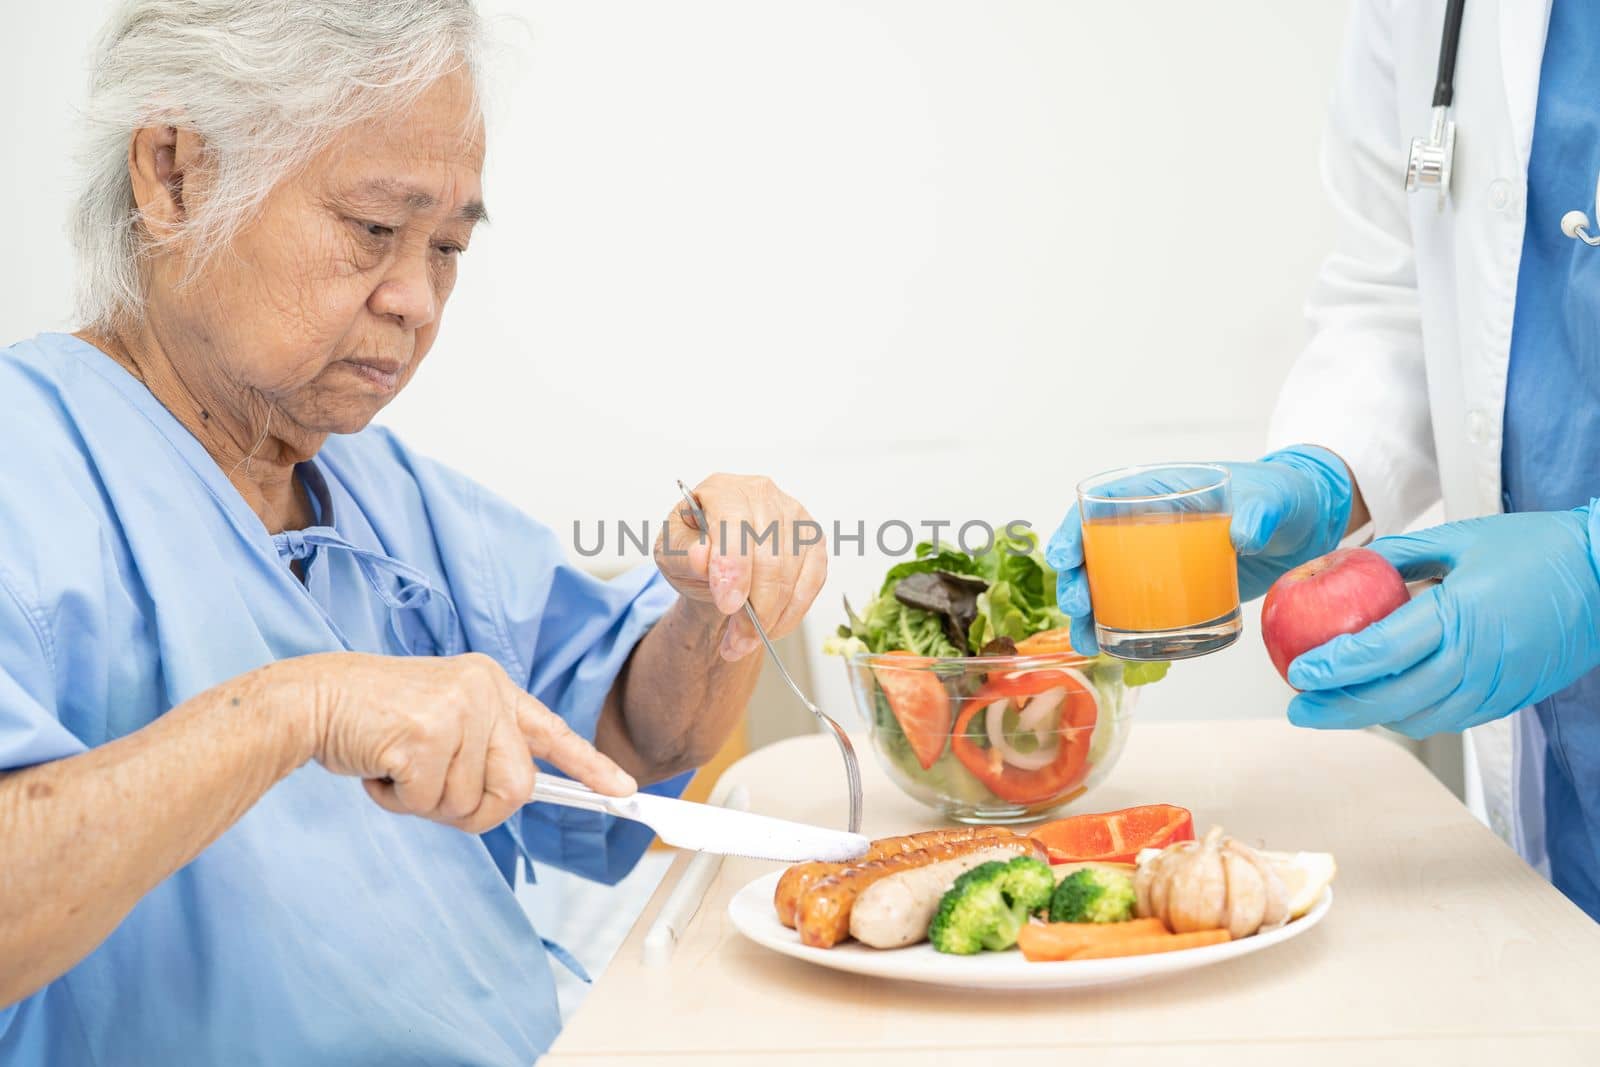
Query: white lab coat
[[1405, 374]]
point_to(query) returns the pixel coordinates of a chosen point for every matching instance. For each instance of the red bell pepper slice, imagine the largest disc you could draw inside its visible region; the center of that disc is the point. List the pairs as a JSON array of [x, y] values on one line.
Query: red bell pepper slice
[[1079, 711], [1114, 836], [920, 705]]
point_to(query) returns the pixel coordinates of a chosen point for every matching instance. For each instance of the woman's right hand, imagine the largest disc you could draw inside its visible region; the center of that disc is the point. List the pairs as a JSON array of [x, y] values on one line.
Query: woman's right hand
[[451, 739], [1292, 506]]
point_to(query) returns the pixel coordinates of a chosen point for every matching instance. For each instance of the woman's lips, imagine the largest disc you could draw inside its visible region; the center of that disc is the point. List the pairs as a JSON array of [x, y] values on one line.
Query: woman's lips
[[385, 374]]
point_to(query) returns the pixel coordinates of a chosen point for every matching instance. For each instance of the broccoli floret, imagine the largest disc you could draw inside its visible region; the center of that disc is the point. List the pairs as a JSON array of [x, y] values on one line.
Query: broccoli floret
[[1030, 882], [989, 904], [1093, 895]]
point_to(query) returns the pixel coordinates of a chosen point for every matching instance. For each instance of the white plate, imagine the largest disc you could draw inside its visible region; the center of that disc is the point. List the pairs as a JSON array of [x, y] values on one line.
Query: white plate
[[752, 913]]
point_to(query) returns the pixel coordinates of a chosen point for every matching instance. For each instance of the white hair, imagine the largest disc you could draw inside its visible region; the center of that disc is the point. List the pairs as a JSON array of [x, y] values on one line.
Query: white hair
[[265, 84]]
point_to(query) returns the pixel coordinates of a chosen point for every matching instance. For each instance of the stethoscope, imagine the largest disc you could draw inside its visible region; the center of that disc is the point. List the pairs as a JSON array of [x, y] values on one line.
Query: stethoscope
[[1430, 162]]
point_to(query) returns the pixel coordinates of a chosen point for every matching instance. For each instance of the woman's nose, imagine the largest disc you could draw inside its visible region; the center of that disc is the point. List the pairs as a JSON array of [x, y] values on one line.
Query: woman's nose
[[407, 294]]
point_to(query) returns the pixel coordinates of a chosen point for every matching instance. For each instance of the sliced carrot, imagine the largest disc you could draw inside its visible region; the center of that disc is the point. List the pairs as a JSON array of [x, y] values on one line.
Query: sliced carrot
[[1043, 942], [1147, 946], [1046, 641]]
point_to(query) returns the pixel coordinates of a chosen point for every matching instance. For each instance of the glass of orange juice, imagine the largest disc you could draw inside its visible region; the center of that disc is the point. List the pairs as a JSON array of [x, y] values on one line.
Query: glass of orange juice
[[1162, 571]]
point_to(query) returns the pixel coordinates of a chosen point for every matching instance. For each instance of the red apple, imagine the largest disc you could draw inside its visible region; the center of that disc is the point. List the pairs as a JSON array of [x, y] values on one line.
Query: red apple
[[1339, 593]]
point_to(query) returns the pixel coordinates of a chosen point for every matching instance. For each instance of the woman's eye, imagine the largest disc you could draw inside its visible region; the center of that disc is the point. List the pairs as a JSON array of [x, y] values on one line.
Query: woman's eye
[[372, 231], [449, 250]]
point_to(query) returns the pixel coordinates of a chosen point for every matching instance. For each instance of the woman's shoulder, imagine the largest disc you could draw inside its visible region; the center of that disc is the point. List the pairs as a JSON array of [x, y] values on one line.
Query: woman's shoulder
[[34, 370], [43, 446], [38, 377], [53, 510]]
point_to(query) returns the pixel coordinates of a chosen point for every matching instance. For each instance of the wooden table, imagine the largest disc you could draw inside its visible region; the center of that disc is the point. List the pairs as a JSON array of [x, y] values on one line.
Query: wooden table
[[1442, 946]]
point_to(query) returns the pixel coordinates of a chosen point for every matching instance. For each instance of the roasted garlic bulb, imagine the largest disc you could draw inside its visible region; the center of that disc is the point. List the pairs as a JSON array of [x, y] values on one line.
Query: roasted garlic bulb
[[1217, 883]]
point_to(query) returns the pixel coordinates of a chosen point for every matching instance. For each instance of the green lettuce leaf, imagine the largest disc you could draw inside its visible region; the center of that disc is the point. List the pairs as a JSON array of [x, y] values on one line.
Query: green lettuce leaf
[[886, 625], [949, 560], [1143, 673], [1022, 592]]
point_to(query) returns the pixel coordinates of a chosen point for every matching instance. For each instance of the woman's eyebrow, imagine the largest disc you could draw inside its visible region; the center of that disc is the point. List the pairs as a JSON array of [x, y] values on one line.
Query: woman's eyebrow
[[418, 199]]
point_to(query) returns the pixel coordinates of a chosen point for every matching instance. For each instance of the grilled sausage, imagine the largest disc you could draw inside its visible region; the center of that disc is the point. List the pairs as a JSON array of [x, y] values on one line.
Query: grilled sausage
[[823, 916], [802, 876], [799, 878], [885, 847], [895, 911]]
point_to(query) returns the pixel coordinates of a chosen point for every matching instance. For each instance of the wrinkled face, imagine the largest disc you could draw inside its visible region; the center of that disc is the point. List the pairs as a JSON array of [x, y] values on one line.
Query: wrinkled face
[[327, 301]]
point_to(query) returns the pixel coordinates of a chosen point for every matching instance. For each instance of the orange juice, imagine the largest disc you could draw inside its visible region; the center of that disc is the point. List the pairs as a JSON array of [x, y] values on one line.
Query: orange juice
[[1160, 572]]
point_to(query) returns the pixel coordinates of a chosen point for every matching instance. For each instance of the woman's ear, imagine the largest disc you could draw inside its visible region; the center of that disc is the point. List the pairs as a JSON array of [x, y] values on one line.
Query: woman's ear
[[158, 157]]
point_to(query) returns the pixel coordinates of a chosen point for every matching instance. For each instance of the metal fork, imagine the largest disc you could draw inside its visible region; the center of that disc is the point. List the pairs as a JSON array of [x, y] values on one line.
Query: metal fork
[[852, 767]]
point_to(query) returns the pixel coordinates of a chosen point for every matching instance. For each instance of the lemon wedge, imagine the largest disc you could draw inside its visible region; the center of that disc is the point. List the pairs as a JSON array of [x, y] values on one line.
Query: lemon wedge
[[1304, 874]]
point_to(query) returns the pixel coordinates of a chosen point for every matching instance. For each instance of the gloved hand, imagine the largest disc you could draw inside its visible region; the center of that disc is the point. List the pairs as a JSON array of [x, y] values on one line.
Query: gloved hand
[[1290, 507], [1516, 619]]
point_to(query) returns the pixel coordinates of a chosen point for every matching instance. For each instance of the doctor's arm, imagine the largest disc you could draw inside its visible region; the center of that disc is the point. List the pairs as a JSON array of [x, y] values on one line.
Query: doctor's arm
[[1359, 389], [83, 838]]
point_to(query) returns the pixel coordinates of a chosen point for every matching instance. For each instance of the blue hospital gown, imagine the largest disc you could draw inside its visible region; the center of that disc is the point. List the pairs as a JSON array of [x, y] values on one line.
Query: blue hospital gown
[[319, 928]]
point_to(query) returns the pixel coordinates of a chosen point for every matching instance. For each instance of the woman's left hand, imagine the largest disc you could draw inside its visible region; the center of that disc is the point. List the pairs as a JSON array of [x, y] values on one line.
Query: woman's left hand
[[762, 547]]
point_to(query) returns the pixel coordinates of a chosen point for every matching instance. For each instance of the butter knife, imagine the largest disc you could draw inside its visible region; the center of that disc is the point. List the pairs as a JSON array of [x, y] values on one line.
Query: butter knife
[[708, 827]]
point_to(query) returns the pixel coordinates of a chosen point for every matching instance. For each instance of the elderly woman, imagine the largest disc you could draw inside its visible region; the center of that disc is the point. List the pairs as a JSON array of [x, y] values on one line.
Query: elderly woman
[[270, 681]]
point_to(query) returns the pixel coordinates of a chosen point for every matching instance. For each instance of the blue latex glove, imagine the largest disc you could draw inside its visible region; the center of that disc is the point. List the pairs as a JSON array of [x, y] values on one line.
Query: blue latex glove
[[1292, 506], [1514, 621]]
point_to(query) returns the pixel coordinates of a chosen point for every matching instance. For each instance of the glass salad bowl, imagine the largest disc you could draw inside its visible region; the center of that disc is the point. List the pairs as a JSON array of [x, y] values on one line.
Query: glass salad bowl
[[994, 739]]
